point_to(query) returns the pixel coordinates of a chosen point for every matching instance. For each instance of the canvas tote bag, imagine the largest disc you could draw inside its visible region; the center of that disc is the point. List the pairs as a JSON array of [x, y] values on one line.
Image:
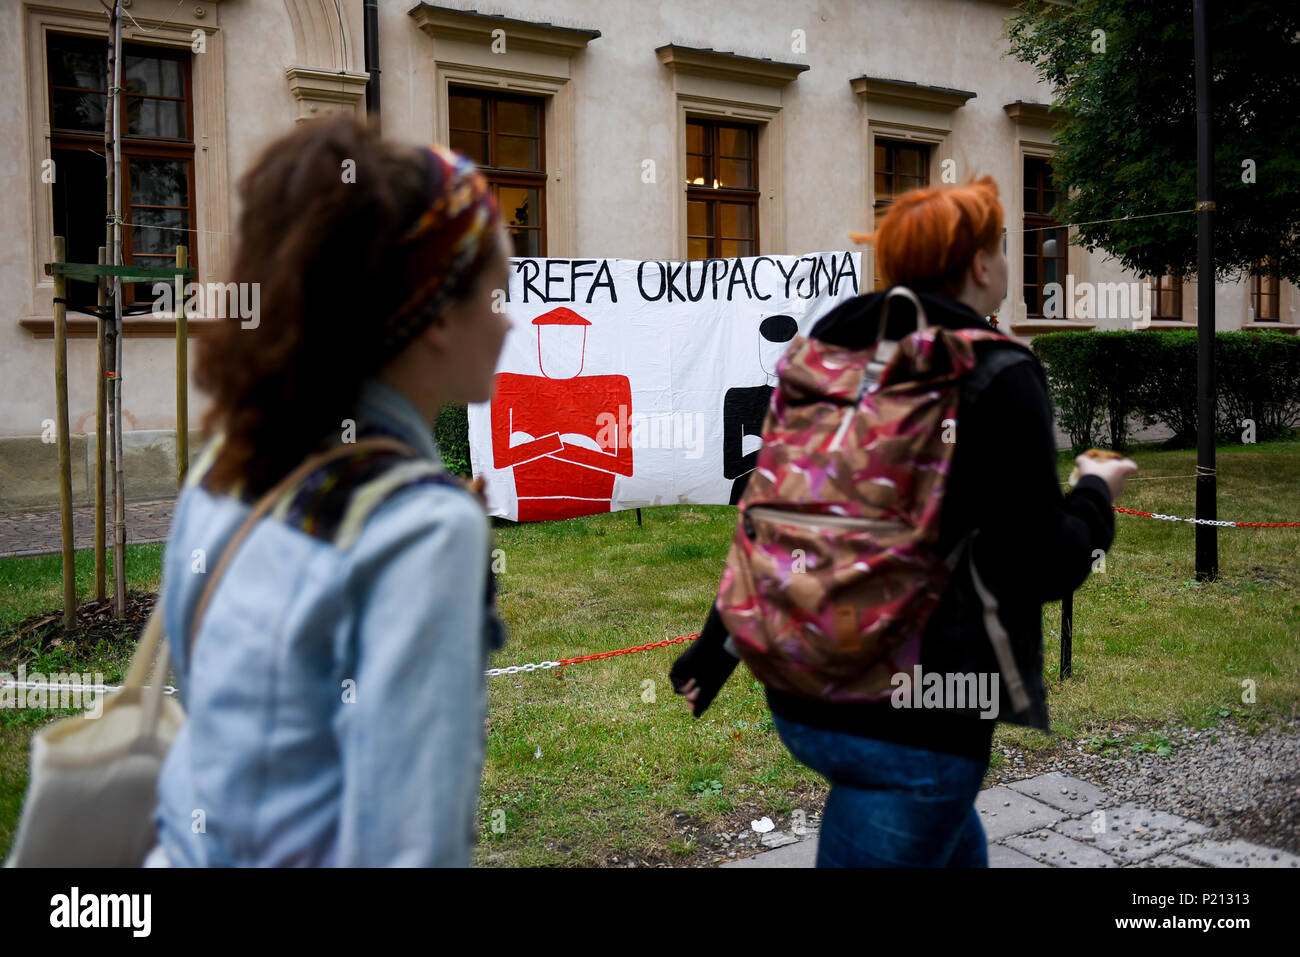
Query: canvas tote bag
[[93, 784]]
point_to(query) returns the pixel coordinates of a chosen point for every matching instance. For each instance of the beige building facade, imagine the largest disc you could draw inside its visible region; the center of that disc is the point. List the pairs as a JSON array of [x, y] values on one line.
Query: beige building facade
[[617, 129]]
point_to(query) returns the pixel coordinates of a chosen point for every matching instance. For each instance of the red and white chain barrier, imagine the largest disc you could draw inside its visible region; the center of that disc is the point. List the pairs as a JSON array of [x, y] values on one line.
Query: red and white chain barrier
[[515, 669], [1205, 521], [545, 665], [564, 662], [491, 672]]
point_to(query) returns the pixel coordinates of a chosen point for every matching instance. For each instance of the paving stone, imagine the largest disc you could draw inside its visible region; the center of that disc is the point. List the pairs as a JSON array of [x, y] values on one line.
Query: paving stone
[[778, 839], [1004, 812], [1134, 837], [40, 533], [1238, 854], [803, 854], [1057, 850], [1132, 833], [1063, 792], [1002, 856]]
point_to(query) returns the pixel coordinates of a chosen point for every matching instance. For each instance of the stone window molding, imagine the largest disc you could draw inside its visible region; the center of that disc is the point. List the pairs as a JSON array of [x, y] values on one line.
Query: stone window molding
[[1034, 124], [158, 22], [537, 61], [909, 112], [317, 93], [328, 74], [717, 85]]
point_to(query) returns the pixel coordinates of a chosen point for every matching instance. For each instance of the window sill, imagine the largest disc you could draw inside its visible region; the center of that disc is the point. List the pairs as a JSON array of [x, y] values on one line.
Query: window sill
[[1279, 326], [82, 325], [1030, 327]]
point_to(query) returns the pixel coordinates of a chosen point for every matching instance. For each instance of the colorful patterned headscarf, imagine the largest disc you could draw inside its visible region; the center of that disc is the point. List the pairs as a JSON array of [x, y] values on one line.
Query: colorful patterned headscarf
[[455, 232]]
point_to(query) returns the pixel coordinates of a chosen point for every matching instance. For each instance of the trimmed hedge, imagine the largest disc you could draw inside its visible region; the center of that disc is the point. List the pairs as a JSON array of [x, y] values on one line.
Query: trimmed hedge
[[451, 432], [1102, 382]]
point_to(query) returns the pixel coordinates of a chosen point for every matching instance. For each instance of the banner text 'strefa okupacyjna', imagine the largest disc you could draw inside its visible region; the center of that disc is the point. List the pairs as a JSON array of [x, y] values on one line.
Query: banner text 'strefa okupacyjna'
[[626, 383]]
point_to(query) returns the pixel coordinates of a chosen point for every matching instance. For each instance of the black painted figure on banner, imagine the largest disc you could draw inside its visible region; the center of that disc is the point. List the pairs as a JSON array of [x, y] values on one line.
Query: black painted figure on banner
[[745, 407]]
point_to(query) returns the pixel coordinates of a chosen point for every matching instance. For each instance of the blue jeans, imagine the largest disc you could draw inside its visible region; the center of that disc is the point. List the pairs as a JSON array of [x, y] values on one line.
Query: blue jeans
[[891, 805]]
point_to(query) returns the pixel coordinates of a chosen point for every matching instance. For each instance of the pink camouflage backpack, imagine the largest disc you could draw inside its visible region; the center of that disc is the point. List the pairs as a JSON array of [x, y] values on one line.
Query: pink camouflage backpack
[[832, 574]]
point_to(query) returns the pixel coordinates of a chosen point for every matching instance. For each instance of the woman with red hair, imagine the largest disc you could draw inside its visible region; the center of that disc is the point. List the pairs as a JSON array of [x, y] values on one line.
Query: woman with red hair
[[903, 781]]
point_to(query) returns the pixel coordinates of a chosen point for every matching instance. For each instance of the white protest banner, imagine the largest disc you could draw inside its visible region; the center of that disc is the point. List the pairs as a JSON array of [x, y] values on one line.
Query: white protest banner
[[624, 384]]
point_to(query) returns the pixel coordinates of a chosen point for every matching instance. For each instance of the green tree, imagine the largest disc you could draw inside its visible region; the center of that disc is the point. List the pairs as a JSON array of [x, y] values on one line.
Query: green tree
[[1122, 72]]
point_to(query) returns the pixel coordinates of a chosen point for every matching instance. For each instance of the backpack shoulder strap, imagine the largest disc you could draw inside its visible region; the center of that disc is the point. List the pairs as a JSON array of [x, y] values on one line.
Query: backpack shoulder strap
[[1006, 353]]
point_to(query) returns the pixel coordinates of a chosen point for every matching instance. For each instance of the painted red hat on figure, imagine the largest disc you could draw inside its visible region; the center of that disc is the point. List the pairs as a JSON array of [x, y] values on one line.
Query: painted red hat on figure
[[561, 316], [561, 343]]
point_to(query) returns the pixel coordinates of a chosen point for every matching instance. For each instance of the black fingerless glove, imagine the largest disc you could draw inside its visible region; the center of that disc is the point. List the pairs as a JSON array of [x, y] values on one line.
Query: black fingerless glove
[[707, 660]]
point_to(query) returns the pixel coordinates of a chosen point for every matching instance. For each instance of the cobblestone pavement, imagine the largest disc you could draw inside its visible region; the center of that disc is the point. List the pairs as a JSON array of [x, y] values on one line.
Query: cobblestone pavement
[[38, 533], [1054, 820]]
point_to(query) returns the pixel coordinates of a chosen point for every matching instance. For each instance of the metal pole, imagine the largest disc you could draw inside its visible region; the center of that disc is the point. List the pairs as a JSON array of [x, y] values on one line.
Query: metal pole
[[1207, 539], [1067, 635], [61, 425]]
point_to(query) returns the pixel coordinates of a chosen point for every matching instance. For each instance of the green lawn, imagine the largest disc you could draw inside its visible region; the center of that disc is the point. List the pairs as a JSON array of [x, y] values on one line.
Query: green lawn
[[599, 760]]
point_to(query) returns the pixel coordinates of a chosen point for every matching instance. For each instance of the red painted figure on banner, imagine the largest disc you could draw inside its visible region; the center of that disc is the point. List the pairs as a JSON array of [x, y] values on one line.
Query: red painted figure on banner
[[552, 429]]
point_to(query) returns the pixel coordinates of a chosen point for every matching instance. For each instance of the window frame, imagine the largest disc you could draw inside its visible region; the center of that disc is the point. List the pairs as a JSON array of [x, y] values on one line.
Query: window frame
[[714, 196], [1036, 222], [1174, 284], [503, 176], [878, 205], [1267, 272], [133, 145]]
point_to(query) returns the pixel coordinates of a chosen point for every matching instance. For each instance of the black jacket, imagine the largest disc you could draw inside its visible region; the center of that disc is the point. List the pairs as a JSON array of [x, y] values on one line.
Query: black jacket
[[1034, 544]]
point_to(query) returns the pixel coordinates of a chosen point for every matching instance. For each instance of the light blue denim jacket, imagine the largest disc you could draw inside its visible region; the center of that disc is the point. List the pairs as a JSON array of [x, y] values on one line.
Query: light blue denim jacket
[[336, 699]]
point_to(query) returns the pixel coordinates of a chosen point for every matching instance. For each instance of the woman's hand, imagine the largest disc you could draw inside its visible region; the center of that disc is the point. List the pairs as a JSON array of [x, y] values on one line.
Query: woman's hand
[[690, 692], [701, 670], [1114, 472]]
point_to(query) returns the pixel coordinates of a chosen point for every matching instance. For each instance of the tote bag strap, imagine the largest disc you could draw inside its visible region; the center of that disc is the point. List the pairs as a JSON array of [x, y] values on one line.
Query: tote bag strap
[[153, 654], [151, 698]]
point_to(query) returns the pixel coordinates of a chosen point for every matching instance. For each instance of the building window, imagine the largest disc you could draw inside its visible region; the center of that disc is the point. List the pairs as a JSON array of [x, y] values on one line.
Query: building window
[[1045, 238], [1167, 297], [503, 134], [1265, 289], [157, 145], [721, 189], [899, 167]]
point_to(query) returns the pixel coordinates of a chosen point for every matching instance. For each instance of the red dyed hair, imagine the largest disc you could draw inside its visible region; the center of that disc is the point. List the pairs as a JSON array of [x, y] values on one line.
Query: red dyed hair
[[929, 236]]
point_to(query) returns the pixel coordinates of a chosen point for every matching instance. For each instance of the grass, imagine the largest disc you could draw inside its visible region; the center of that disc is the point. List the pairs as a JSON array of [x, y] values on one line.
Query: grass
[[601, 760], [30, 586]]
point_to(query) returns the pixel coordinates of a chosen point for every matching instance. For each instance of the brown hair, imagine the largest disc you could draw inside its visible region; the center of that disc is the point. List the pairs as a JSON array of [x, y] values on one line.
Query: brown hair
[[317, 234], [927, 239]]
